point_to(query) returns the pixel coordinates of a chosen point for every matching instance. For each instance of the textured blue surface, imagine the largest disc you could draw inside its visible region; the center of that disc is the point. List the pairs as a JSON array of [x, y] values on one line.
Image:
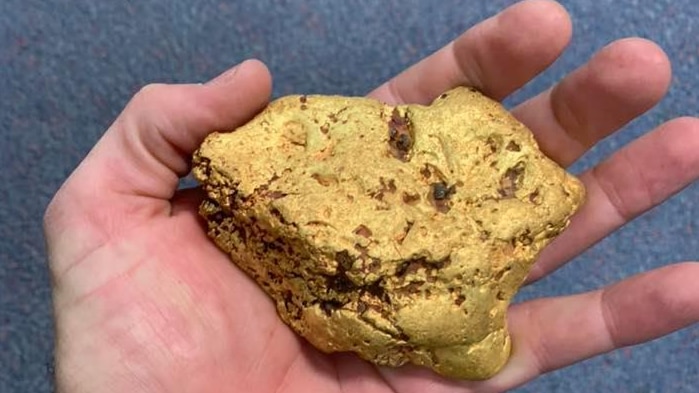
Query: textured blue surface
[[67, 67]]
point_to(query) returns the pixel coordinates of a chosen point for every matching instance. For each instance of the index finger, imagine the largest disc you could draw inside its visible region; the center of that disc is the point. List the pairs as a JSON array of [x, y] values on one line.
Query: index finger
[[497, 56]]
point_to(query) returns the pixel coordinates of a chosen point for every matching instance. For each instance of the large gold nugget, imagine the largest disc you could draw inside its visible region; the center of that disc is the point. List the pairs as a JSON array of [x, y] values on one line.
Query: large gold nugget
[[400, 233]]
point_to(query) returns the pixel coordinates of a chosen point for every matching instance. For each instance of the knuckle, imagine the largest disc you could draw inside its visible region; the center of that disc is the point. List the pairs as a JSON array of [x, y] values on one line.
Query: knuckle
[[150, 92]]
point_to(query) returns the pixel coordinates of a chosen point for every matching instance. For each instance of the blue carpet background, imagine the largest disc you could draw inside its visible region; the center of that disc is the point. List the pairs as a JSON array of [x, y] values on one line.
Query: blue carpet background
[[67, 67]]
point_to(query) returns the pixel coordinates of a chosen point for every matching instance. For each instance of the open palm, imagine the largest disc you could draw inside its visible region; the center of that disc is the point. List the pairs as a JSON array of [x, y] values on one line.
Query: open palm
[[144, 302]]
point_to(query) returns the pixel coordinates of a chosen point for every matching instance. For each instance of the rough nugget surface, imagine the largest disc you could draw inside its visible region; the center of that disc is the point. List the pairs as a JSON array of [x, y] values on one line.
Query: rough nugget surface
[[398, 233]]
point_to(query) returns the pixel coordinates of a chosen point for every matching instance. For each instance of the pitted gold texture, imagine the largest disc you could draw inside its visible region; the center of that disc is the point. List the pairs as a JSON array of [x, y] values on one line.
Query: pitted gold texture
[[399, 233]]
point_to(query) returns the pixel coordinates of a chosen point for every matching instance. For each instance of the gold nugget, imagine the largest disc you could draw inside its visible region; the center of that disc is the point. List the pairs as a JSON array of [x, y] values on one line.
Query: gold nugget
[[399, 233]]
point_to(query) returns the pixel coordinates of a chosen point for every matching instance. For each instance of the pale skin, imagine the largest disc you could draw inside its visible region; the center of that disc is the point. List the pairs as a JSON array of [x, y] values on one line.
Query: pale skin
[[144, 302]]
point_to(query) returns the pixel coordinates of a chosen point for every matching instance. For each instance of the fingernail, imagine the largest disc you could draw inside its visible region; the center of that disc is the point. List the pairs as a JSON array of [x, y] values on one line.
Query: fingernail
[[225, 77]]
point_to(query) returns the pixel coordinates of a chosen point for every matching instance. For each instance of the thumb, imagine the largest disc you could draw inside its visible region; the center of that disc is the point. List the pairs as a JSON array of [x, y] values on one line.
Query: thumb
[[149, 146], [133, 171]]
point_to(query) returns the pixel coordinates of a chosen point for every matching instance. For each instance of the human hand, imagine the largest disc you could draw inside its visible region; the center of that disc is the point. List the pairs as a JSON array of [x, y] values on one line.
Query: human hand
[[144, 302]]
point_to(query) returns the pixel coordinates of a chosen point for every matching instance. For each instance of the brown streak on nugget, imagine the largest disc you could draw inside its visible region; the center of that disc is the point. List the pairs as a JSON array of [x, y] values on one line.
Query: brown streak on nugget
[[513, 146], [363, 231], [400, 136], [440, 196], [492, 144], [410, 199], [325, 180], [460, 300], [425, 172], [509, 183], [404, 234]]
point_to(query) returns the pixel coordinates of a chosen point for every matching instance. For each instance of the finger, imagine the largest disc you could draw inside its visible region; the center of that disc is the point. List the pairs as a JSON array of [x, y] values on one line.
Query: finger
[[618, 84], [133, 170], [149, 146], [497, 56], [627, 184], [552, 333]]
